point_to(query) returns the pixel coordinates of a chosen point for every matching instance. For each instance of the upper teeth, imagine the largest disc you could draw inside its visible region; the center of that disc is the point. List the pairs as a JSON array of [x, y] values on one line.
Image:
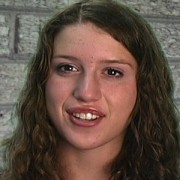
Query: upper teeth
[[86, 116]]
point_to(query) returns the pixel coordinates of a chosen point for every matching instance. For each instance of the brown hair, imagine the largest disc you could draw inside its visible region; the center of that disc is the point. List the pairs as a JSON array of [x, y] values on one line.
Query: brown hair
[[151, 147]]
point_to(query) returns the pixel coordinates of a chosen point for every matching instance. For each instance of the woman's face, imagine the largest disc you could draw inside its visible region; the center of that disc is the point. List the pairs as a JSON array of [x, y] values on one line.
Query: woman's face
[[91, 90]]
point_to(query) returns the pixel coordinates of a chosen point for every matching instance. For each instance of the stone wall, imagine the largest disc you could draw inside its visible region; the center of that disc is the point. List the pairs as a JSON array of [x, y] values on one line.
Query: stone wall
[[20, 21]]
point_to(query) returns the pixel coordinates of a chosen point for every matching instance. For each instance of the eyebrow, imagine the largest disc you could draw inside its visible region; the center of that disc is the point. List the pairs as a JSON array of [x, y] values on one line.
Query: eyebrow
[[65, 57], [118, 61], [105, 61]]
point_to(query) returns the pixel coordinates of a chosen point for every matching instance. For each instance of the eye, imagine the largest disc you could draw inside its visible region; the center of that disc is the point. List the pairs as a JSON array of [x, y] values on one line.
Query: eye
[[66, 68], [114, 72]]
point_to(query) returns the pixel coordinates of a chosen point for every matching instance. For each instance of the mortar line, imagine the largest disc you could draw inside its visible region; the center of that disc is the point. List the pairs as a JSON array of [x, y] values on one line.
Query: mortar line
[[12, 34], [50, 11]]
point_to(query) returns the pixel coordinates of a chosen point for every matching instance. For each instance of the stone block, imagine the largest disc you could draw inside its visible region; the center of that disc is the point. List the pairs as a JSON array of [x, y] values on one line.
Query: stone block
[[178, 107], [33, 3], [169, 36], [4, 34], [175, 68], [29, 27], [155, 7], [7, 126], [11, 81]]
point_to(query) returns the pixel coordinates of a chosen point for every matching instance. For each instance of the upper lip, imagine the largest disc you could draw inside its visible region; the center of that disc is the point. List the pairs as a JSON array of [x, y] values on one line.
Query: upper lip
[[85, 110]]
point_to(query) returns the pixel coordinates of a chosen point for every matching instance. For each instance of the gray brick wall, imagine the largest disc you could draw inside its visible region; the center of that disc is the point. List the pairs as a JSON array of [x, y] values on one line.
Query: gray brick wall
[[20, 21]]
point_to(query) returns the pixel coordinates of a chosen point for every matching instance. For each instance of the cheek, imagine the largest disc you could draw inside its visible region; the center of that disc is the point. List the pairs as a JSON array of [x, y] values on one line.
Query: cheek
[[54, 99], [56, 90], [51, 91], [123, 99]]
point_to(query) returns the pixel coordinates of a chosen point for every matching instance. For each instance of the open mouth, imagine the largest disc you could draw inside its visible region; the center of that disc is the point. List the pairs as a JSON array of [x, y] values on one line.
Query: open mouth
[[86, 116], [83, 116]]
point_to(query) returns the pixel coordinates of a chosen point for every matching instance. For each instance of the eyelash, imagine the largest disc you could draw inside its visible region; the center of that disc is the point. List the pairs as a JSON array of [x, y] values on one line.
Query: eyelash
[[114, 73], [68, 68]]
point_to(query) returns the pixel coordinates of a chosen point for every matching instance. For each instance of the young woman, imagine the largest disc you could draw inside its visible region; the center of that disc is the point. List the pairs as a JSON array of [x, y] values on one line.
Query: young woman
[[98, 101]]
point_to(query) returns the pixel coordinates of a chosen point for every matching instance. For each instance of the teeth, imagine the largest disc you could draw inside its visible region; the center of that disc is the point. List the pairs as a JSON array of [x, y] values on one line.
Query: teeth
[[89, 116], [82, 116], [85, 116]]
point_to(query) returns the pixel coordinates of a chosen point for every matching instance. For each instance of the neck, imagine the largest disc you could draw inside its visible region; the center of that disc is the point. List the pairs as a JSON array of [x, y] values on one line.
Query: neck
[[85, 164]]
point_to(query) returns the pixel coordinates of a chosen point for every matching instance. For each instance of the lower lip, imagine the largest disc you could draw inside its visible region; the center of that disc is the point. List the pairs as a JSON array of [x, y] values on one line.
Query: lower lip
[[84, 123]]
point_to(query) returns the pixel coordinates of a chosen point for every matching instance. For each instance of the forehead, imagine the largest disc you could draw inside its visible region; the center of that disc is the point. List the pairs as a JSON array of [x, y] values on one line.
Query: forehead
[[85, 40], [80, 32]]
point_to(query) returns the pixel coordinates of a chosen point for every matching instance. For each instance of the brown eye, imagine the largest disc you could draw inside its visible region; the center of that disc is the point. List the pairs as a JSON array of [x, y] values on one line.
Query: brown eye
[[66, 68], [114, 72]]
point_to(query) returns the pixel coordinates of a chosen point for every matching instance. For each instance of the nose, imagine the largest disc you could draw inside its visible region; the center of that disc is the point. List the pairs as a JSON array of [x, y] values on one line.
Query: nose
[[87, 89]]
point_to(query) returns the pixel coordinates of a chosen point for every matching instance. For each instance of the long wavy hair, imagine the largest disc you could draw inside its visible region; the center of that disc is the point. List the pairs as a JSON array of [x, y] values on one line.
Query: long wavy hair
[[151, 146]]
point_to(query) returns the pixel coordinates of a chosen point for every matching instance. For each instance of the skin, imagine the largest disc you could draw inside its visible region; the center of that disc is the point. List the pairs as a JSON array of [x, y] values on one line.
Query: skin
[[90, 71]]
